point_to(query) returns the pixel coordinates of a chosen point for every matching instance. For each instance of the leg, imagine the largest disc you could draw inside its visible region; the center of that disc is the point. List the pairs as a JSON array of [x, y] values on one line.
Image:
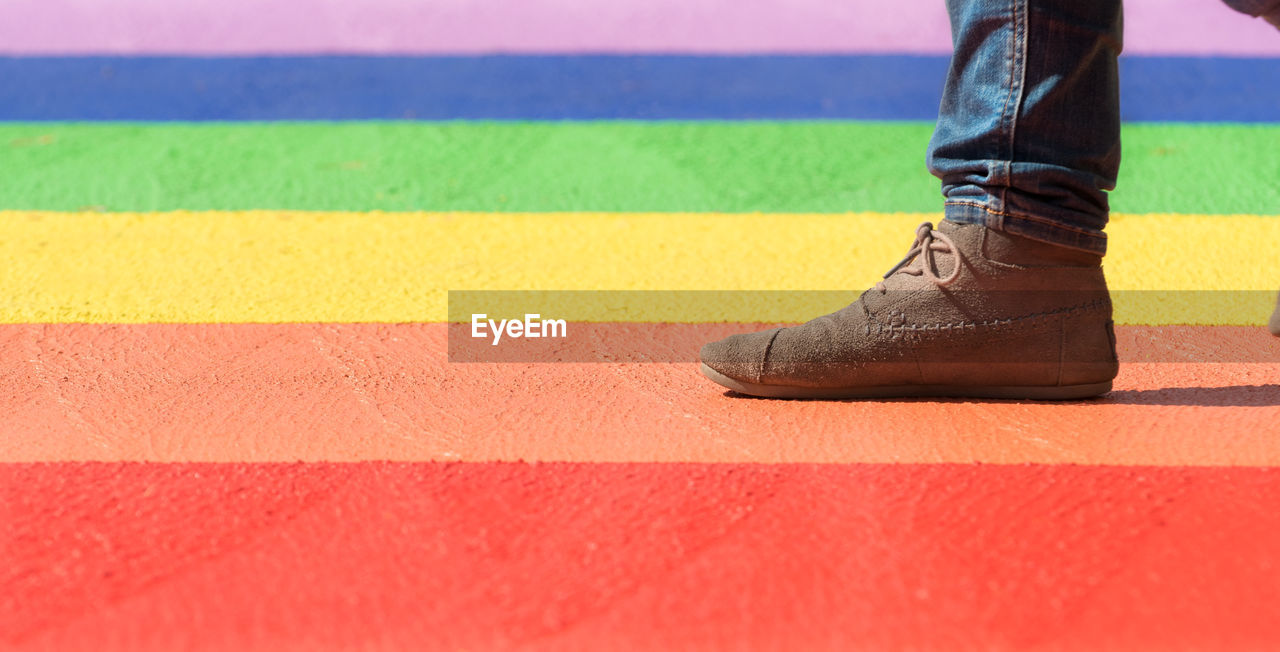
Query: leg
[[1270, 11], [1028, 134], [1006, 298]]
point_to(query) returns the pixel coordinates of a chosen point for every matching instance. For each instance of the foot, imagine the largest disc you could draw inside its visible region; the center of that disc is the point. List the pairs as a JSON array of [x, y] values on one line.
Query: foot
[[970, 312]]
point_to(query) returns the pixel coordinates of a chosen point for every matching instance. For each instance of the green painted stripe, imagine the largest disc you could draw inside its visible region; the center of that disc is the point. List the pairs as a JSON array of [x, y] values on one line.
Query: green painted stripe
[[612, 166]]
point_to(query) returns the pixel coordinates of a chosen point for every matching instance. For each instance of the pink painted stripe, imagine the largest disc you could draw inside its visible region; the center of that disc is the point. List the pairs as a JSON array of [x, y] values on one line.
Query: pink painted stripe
[[213, 27]]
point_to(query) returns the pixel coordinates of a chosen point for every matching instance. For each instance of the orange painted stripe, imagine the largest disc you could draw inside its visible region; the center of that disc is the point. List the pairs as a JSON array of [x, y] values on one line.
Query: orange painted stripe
[[344, 392]]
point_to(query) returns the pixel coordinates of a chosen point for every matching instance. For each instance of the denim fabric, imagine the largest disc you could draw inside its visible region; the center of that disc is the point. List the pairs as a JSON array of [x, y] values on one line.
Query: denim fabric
[[1028, 133]]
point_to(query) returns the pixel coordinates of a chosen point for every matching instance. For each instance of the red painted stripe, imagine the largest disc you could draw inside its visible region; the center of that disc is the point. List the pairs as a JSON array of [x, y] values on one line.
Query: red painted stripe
[[633, 556], [347, 392]]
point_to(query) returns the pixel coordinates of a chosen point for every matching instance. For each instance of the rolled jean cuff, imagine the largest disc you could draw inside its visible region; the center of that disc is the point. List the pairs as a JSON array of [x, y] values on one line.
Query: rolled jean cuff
[[1035, 228]]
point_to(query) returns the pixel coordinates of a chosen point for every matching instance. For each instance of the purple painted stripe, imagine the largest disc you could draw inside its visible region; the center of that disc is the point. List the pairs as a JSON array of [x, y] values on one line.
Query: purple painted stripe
[[208, 27]]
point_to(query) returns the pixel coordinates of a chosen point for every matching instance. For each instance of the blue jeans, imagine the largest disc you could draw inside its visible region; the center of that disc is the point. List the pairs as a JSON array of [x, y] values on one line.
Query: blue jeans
[[1028, 134]]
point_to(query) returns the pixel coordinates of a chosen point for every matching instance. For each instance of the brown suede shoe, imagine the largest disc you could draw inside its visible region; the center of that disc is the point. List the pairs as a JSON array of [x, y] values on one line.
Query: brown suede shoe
[[1274, 326], [970, 312]]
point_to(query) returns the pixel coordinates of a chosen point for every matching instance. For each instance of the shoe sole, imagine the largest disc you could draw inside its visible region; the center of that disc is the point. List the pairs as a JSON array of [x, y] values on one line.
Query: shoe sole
[[1033, 392]]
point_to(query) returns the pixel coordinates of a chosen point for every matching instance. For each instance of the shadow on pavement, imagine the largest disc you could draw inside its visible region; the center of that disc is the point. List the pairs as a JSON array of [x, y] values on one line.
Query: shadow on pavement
[[1230, 395]]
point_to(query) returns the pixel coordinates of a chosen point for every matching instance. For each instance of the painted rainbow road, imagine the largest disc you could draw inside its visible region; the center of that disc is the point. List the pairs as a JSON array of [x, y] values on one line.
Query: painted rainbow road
[[229, 418]]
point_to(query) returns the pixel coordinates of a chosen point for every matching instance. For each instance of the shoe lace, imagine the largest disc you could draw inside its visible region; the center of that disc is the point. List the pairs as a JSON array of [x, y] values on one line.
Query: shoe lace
[[928, 241]]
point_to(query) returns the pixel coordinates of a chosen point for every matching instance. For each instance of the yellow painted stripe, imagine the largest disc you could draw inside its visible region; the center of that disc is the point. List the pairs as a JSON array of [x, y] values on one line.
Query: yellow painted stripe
[[292, 266]]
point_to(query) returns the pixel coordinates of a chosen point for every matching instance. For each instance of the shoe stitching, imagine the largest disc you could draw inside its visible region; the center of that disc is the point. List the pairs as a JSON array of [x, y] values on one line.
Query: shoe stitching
[[897, 331], [986, 258]]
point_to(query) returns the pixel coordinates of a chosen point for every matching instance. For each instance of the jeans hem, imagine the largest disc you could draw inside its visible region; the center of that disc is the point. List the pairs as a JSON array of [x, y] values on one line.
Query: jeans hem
[[1035, 228]]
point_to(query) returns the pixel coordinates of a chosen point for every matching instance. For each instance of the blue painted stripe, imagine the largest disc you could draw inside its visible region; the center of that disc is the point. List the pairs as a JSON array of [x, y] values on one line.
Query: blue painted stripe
[[856, 87]]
